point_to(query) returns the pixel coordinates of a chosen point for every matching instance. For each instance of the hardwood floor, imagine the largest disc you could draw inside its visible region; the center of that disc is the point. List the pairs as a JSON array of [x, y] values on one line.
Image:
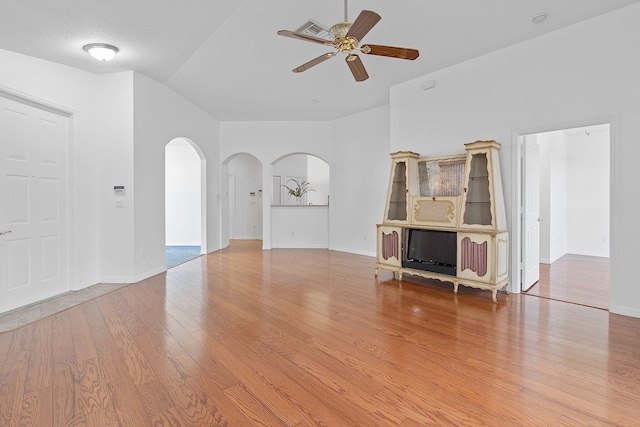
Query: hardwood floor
[[309, 337], [577, 279]]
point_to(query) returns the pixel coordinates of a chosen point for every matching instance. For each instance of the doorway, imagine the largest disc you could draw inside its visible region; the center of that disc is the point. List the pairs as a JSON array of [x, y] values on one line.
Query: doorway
[[183, 202], [244, 198], [565, 215]]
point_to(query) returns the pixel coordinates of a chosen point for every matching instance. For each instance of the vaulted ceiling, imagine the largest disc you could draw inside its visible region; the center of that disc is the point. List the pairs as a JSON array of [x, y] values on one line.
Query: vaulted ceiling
[[226, 57]]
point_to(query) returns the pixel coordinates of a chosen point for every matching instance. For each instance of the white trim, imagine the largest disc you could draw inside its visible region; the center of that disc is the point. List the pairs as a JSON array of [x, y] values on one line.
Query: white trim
[[588, 253], [626, 311], [299, 246], [88, 283], [149, 273], [352, 251], [116, 279], [67, 111]]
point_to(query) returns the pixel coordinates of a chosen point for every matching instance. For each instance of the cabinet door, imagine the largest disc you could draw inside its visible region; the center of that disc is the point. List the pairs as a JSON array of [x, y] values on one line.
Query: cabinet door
[[398, 193], [435, 211], [477, 198], [476, 257], [389, 245]]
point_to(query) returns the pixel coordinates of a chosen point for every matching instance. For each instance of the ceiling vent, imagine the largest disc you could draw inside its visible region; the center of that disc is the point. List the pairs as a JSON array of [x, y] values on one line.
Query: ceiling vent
[[312, 28]]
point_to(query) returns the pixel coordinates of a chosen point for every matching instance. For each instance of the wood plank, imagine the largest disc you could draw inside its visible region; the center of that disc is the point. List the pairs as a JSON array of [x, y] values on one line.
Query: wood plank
[[310, 337]]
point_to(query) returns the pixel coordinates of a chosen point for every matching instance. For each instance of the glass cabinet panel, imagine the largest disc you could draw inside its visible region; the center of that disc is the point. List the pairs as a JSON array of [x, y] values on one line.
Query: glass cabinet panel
[[477, 208], [398, 197], [440, 178]]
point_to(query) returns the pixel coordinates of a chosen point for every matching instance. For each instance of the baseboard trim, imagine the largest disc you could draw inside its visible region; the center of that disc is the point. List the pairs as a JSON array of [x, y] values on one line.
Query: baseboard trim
[[625, 311], [352, 251], [86, 283]]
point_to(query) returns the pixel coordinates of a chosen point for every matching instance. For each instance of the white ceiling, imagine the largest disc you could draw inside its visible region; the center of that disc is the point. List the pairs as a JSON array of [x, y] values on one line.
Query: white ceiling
[[225, 56]]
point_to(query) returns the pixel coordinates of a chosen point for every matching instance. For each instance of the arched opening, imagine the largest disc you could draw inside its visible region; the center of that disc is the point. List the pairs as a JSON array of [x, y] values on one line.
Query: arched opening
[[293, 168], [300, 220], [184, 202]]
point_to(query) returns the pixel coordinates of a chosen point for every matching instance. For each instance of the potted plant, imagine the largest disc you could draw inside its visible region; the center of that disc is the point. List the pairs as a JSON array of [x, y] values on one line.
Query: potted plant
[[297, 189]]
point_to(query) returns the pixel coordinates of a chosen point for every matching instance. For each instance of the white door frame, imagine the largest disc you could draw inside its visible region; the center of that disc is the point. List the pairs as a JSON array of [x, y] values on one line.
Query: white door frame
[[70, 230], [515, 282]]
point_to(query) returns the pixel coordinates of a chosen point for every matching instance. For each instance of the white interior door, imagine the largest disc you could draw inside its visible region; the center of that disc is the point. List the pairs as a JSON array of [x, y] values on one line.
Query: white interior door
[[531, 209], [33, 203]]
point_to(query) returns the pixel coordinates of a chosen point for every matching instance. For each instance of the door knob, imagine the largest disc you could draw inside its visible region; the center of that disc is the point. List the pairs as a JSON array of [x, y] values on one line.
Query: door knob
[[2, 233]]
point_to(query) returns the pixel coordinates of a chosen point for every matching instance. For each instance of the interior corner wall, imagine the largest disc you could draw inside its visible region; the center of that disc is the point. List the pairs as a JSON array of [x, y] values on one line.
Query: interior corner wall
[[576, 75], [553, 195], [75, 90], [161, 115], [588, 193], [359, 179]]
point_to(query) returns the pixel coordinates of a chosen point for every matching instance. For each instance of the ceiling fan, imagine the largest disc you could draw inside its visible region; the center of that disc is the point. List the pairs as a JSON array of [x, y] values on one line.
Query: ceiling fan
[[345, 38]]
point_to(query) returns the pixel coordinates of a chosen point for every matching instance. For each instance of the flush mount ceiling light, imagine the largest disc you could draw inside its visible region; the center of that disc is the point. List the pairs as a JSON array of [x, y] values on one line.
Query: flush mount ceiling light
[[101, 51]]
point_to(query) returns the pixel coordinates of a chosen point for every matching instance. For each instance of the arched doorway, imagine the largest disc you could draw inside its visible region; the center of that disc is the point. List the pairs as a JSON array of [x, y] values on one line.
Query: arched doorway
[[185, 228]]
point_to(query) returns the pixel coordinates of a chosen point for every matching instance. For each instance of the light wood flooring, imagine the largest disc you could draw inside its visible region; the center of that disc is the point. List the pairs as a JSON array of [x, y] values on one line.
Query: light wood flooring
[[577, 279], [247, 337]]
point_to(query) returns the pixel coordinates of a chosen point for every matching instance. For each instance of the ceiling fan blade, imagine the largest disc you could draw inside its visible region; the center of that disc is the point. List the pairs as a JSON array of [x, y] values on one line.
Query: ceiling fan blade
[[300, 36], [314, 62], [390, 51], [357, 68], [363, 24]]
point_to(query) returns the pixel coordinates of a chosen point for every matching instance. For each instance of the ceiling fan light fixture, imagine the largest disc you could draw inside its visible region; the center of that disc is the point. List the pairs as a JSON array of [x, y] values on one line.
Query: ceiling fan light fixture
[[340, 29], [346, 38], [101, 51]]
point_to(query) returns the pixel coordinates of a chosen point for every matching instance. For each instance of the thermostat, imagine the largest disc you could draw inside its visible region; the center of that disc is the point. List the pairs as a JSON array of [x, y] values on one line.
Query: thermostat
[[118, 189]]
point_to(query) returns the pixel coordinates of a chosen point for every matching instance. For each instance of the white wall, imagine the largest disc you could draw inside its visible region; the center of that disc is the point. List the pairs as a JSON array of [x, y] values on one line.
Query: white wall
[[559, 201], [248, 198], [182, 194], [300, 226], [576, 75], [160, 115], [553, 196], [574, 192], [115, 166], [588, 193], [359, 180], [318, 173], [268, 142]]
